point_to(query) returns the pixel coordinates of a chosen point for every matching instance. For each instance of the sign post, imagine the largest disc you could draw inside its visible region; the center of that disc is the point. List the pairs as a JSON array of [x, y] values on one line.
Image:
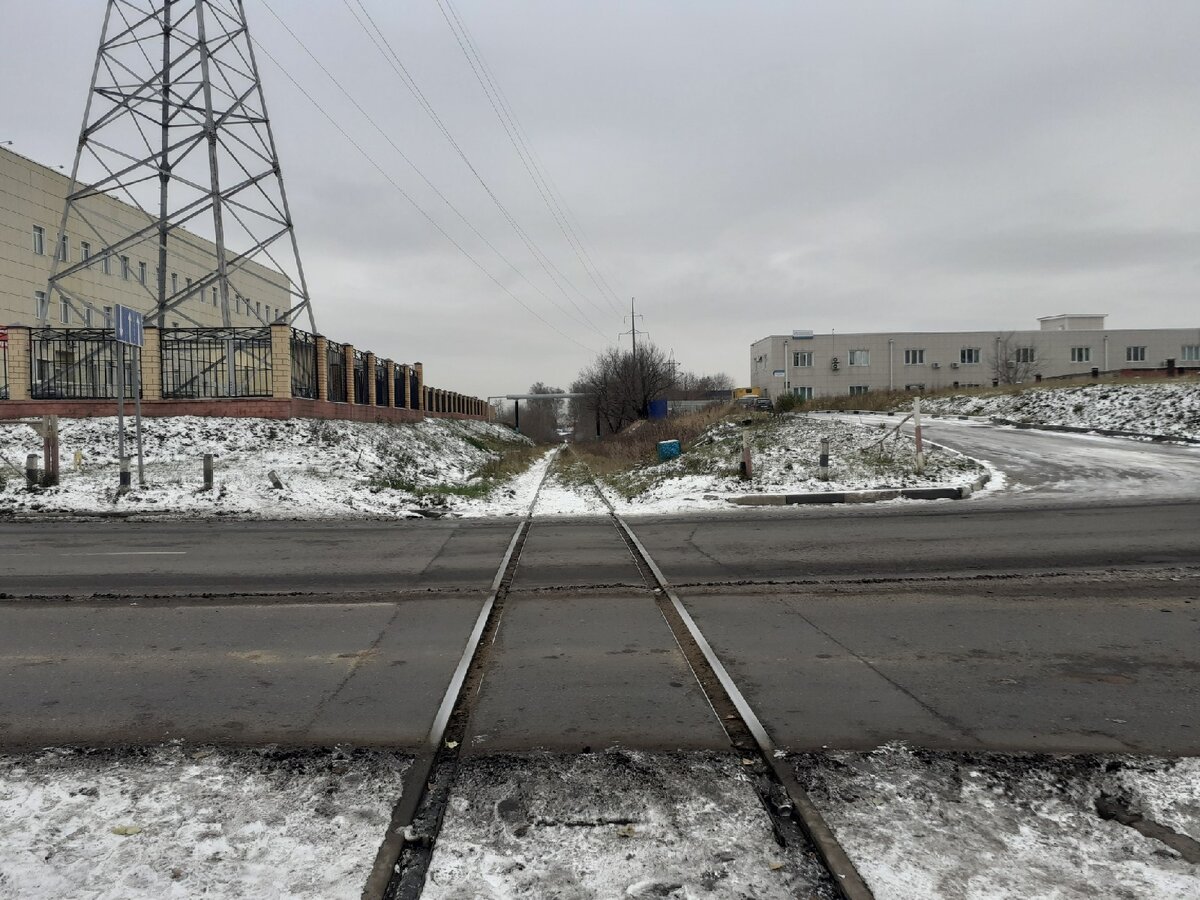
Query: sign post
[[129, 332]]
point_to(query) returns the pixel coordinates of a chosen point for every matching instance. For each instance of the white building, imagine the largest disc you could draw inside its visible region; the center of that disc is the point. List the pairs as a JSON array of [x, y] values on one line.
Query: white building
[[809, 365]]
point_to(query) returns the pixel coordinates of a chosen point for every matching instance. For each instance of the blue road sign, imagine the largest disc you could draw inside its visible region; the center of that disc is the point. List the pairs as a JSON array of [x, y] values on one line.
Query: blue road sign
[[129, 325]]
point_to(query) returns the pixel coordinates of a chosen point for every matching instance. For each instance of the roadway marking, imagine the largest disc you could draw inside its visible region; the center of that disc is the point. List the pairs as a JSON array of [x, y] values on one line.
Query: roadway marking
[[132, 553]]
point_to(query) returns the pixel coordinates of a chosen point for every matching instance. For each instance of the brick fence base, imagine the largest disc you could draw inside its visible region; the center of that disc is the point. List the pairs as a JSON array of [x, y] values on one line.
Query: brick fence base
[[246, 408]]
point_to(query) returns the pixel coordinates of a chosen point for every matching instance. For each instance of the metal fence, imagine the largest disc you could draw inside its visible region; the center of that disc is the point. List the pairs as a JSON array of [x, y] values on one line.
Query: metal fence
[[304, 364], [335, 361], [4, 368], [381, 384], [360, 377], [77, 364], [215, 362], [414, 390]]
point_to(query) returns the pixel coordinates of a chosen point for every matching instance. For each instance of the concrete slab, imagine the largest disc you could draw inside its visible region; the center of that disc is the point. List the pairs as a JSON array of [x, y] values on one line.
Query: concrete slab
[[295, 674], [579, 671], [1079, 669]]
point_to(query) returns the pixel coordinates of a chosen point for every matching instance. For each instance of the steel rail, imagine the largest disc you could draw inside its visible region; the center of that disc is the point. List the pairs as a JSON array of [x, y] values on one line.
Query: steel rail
[[798, 805], [427, 783]]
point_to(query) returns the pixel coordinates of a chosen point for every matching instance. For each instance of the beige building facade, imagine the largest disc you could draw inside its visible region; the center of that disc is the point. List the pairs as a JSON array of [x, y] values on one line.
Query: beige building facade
[[32, 197], [808, 365]]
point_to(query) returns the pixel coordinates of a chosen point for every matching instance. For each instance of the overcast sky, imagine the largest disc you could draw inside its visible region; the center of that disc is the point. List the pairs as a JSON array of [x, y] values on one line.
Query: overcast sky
[[742, 168]]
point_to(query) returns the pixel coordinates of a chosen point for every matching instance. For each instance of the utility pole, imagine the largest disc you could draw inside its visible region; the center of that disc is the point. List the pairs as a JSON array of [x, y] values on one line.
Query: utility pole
[[633, 332]]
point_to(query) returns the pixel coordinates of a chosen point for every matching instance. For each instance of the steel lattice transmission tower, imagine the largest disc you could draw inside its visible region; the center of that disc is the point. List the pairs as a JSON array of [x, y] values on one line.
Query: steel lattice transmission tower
[[176, 124]]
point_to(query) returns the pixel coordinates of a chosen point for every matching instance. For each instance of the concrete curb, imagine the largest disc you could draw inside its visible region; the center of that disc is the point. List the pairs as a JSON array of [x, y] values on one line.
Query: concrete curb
[[959, 492], [1106, 432]]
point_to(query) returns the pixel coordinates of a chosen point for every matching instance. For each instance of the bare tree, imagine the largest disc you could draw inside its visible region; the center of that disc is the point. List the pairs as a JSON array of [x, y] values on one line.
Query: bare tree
[[540, 418], [621, 386], [1013, 363]]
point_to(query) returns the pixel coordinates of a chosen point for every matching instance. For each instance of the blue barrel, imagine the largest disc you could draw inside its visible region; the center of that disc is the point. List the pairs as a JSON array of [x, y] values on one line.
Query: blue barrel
[[658, 409], [668, 450]]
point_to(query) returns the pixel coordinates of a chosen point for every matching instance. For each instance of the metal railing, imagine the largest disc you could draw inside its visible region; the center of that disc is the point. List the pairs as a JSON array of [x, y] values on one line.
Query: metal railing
[[214, 363], [335, 361], [304, 364], [414, 390], [77, 364], [360, 377], [381, 383], [4, 370]]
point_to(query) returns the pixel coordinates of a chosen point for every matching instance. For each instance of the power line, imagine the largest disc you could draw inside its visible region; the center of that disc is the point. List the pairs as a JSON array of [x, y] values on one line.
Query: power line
[[412, 165], [393, 59], [414, 203], [536, 171]]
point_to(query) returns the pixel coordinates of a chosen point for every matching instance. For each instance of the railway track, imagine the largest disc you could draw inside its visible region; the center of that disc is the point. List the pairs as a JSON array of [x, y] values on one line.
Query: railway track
[[404, 855]]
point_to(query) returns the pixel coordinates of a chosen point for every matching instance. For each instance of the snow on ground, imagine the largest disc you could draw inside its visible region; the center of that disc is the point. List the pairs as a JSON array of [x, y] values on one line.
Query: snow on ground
[[176, 822], [1168, 409], [613, 824], [921, 824], [330, 469], [785, 453]]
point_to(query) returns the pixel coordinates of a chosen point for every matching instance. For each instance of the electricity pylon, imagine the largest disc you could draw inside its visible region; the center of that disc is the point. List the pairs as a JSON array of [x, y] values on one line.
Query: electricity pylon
[[176, 125]]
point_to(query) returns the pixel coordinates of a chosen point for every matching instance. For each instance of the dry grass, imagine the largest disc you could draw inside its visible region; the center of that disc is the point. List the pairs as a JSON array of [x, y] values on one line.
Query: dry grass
[[638, 446]]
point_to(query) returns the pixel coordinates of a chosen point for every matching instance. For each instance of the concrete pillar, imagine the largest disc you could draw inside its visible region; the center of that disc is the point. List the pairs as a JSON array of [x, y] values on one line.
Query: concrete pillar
[[421, 399], [348, 362], [152, 388], [20, 375], [371, 388], [322, 367], [390, 378], [281, 362]]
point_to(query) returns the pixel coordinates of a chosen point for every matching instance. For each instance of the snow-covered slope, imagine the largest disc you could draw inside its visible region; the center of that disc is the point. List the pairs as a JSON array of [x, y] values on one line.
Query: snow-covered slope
[[328, 468], [1167, 409]]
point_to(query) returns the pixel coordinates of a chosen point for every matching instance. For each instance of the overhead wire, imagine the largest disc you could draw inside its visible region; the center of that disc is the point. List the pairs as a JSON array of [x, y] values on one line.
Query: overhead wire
[[412, 165], [412, 202], [516, 134], [393, 59]]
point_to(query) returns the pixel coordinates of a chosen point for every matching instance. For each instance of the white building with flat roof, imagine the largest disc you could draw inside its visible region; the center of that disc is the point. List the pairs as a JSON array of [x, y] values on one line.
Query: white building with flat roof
[[808, 365]]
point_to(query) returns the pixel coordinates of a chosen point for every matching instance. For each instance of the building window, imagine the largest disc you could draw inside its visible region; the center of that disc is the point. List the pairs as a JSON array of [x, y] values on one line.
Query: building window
[[802, 359], [39, 240], [914, 357], [969, 356], [257, 309], [39, 304], [64, 311], [1135, 354], [1191, 352], [108, 317], [142, 272], [125, 267], [107, 262], [85, 251], [1081, 354], [64, 248], [87, 316], [174, 282], [860, 357], [1025, 355], [802, 393], [189, 284], [858, 389], [214, 296]]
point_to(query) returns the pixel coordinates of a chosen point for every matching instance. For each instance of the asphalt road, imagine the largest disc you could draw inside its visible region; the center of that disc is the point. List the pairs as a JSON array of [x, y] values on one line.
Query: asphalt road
[[1052, 625]]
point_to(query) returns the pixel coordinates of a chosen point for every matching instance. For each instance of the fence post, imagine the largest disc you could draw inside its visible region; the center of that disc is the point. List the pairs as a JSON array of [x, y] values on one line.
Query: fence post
[[32, 476], [389, 381], [920, 460], [151, 363], [823, 462], [348, 363], [126, 477], [208, 471], [20, 372], [322, 367], [369, 371], [281, 361], [419, 368], [745, 470]]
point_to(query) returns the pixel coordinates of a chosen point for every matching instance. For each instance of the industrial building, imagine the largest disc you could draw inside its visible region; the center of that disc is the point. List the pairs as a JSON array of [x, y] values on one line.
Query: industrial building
[[808, 365], [32, 198]]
